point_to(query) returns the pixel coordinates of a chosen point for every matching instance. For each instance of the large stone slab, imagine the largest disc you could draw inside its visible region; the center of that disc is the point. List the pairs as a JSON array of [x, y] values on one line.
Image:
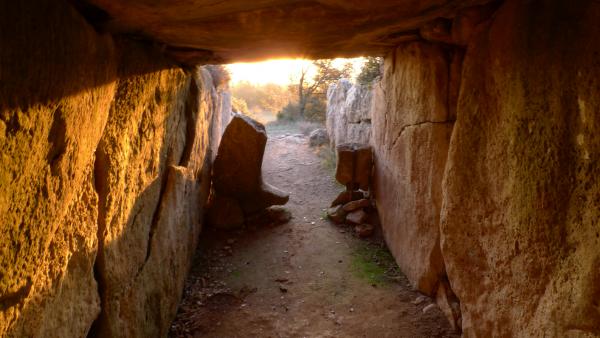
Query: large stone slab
[[90, 213], [354, 166], [53, 110], [206, 31], [411, 132], [335, 118], [520, 221], [348, 116], [237, 170]]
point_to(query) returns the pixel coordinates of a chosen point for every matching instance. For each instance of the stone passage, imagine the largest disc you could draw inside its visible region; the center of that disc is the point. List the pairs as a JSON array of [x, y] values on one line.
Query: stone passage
[[305, 278], [483, 130]]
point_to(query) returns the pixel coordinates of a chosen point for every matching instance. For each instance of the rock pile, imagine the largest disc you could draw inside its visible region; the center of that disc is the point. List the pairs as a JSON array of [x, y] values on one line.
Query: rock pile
[[239, 191], [353, 206]]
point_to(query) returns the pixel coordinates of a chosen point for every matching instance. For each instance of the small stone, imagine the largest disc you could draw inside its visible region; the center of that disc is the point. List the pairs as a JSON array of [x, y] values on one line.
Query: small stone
[[279, 215], [419, 300], [347, 196], [337, 214], [428, 308], [358, 204], [356, 217], [364, 230]]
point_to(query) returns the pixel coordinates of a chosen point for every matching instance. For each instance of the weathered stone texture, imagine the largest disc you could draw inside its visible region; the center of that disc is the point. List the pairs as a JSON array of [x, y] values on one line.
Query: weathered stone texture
[[411, 131], [348, 116], [201, 30], [49, 128], [237, 171], [104, 147], [520, 222]]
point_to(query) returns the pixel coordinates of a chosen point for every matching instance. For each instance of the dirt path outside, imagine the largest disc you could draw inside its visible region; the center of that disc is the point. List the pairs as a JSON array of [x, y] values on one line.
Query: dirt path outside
[[305, 278]]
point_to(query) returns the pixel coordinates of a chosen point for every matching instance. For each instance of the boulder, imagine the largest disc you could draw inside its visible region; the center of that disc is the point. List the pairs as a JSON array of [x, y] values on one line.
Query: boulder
[[237, 170], [337, 214], [358, 204], [349, 113], [411, 133], [356, 217], [347, 196], [318, 137], [354, 165]]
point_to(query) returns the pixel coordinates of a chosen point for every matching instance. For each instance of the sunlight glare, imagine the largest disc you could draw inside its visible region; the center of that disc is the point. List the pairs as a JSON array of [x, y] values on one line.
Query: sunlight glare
[[281, 71]]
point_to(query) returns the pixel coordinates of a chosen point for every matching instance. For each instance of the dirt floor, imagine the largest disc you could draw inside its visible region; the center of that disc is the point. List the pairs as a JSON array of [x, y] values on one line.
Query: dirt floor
[[305, 278]]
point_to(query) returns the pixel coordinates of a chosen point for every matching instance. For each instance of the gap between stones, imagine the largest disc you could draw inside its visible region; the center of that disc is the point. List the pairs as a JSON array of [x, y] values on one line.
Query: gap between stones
[[417, 125]]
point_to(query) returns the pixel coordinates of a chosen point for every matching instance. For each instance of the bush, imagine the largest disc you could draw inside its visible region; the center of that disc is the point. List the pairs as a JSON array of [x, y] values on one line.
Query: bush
[[370, 70], [315, 109], [289, 113]]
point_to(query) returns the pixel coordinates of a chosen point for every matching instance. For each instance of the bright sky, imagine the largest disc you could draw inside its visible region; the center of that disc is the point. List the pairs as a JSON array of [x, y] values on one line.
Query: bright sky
[[282, 71]]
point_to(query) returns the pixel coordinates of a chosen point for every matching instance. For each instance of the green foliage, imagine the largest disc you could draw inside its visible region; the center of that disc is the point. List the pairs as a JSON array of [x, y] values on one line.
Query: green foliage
[[374, 263], [315, 109], [370, 70], [267, 97], [327, 75], [312, 93], [289, 113]]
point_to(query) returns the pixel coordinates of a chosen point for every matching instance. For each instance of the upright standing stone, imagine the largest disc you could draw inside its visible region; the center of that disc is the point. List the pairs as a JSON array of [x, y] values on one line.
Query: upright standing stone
[[354, 165], [237, 170]]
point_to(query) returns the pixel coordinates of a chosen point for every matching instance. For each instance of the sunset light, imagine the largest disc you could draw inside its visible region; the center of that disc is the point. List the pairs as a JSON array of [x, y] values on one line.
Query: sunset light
[[281, 71]]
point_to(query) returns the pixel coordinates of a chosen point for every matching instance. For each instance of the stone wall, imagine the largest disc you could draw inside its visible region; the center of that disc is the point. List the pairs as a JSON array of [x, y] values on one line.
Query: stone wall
[[494, 164], [348, 117], [521, 213], [411, 131], [104, 169]]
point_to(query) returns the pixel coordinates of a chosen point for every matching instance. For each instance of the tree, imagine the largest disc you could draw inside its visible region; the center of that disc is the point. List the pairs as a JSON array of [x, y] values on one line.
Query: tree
[[370, 70], [326, 74], [267, 97]]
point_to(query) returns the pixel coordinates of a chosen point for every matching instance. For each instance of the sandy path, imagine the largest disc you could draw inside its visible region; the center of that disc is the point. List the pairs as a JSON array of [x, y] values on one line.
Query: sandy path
[[306, 278]]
